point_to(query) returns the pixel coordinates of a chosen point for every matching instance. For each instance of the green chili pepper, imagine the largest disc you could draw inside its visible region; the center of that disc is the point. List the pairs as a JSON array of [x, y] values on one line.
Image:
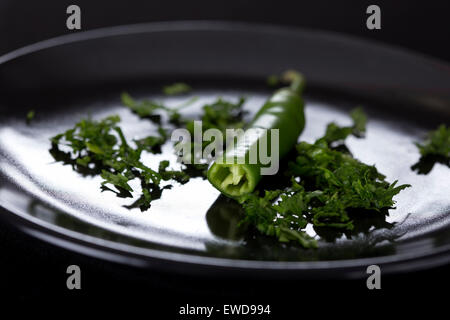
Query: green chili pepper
[[282, 111]]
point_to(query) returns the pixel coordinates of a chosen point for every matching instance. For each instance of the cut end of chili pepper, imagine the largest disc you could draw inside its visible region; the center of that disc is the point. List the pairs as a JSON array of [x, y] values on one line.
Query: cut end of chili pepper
[[233, 180]]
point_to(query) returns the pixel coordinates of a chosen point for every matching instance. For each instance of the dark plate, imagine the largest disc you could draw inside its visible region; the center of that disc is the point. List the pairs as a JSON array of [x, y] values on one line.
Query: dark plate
[[66, 78]]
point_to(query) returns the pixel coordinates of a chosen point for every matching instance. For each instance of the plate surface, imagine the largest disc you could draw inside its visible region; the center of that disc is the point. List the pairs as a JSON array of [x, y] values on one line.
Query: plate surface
[[189, 228]]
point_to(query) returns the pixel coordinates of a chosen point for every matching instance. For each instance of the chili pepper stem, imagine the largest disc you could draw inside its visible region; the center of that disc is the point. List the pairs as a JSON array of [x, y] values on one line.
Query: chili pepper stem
[[296, 80]]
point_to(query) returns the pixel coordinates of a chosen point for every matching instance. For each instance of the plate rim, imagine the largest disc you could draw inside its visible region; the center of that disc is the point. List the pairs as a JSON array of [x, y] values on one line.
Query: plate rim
[[116, 252]]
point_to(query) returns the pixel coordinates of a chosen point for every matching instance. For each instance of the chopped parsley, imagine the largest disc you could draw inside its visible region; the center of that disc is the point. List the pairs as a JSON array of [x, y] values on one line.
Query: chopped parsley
[[176, 88], [144, 108], [222, 115], [326, 185], [435, 149], [336, 134], [100, 148], [437, 143], [283, 220], [148, 109], [30, 116], [273, 80]]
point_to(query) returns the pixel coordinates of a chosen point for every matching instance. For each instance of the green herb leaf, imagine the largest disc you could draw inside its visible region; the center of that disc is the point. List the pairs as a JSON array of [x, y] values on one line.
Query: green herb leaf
[[144, 108], [180, 176], [437, 143], [273, 80], [435, 149], [176, 88], [335, 133], [30, 116], [359, 122], [116, 179]]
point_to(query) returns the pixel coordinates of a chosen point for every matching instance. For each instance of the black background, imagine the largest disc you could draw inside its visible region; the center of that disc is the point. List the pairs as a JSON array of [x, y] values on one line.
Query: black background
[[418, 25], [31, 270]]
